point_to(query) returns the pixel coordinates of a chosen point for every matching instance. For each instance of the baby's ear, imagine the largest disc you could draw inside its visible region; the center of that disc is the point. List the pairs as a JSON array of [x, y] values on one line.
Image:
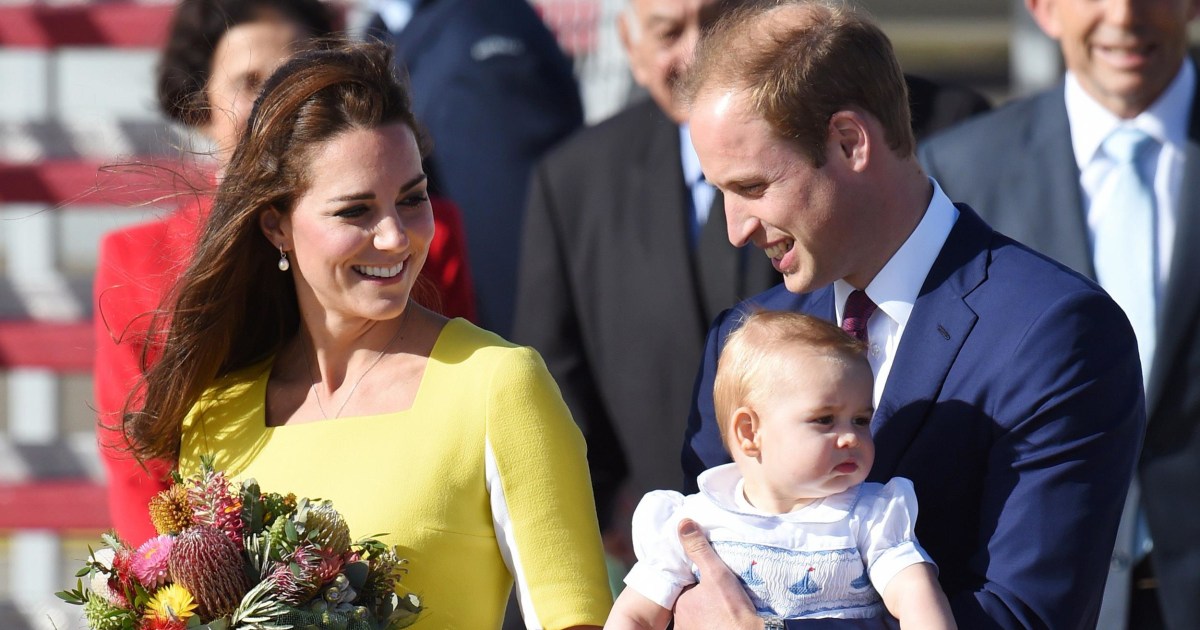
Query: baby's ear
[[744, 433]]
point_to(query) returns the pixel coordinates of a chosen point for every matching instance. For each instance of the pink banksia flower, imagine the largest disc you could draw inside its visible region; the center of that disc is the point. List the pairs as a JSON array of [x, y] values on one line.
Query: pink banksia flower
[[151, 562], [209, 566], [214, 503]]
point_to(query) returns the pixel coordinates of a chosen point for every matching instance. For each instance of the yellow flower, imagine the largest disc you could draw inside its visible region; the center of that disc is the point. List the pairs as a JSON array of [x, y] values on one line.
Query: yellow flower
[[172, 602]]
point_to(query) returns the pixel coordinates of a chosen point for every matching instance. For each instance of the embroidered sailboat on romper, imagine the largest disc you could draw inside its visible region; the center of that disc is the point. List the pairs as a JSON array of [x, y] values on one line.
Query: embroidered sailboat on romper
[[862, 581], [806, 586], [750, 577]]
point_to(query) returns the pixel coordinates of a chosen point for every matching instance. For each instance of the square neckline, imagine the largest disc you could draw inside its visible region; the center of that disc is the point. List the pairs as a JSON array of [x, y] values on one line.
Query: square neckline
[[417, 402]]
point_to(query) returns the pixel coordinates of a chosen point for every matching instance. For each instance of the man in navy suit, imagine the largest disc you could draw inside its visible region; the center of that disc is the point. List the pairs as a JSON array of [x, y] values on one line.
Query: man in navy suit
[[624, 265], [625, 256], [1008, 388], [495, 91], [1037, 169]]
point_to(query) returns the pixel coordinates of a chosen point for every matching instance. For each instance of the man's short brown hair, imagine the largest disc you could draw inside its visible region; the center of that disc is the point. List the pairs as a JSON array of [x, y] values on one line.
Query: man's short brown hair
[[801, 61]]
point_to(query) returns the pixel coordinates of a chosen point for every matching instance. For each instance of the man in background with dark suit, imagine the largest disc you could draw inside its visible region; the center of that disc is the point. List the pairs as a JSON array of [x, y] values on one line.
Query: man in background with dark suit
[[495, 91], [1007, 388], [1043, 171]]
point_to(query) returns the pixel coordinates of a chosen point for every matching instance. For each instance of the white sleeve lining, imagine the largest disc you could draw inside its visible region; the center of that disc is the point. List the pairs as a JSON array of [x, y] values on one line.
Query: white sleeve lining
[[506, 538]]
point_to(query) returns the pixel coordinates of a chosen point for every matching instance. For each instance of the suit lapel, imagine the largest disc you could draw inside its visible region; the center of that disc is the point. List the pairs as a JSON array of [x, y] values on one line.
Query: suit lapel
[[1045, 191], [658, 206], [936, 331], [1181, 297], [717, 263]]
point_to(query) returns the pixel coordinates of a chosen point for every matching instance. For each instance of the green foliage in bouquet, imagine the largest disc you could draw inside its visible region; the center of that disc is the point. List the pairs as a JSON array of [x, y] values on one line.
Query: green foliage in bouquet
[[236, 558]]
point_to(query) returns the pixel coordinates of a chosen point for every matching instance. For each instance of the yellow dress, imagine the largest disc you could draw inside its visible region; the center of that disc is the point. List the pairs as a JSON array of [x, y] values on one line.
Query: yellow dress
[[483, 480]]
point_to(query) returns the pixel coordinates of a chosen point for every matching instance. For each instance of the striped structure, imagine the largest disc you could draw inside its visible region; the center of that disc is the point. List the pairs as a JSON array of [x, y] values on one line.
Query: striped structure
[[77, 97]]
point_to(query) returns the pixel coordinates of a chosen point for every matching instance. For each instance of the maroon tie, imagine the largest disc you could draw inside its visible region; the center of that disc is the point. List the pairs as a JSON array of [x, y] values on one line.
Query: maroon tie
[[854, 317]]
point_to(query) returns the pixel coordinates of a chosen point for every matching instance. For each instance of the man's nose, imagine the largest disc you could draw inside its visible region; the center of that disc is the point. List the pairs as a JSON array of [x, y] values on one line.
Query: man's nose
[[739, 225], [1121, 12]]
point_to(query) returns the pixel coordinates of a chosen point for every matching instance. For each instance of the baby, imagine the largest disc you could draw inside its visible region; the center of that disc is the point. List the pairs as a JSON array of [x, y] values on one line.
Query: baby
[[792, 515]]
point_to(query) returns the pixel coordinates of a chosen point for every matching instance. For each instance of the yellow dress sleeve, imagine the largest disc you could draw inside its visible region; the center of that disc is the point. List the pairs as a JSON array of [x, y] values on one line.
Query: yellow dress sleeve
[[541, 497]]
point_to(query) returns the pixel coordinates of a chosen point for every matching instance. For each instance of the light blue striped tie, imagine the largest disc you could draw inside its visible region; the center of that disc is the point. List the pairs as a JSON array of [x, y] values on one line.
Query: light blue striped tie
[[1125, 251]]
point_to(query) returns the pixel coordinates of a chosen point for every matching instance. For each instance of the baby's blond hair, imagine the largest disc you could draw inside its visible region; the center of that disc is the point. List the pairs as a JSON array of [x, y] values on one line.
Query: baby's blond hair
[[763, 342]]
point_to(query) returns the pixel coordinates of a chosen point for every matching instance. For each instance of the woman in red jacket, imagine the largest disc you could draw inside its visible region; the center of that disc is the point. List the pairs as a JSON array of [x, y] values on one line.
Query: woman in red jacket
[[218, 54]]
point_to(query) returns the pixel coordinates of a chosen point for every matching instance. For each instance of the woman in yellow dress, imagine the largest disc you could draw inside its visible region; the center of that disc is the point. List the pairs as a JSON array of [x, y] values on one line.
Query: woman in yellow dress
[[294, 355]]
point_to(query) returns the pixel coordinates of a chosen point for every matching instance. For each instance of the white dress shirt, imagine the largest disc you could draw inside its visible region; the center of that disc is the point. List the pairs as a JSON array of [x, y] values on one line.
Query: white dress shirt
[[702, 193], [1166, 120], [896, 286]]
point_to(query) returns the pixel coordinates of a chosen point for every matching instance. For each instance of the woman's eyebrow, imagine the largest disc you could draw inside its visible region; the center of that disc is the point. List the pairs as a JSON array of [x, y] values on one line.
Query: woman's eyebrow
[[364, 196]]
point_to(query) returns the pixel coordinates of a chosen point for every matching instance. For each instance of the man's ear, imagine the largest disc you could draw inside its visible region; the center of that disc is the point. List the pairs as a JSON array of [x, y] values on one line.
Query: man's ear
[[626, 33], [744, 434], [849, 139], [1045, 13], [277, 227]]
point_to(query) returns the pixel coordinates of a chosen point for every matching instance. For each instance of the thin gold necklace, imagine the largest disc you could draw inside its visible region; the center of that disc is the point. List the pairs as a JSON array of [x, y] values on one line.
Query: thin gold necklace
[[378, 358]]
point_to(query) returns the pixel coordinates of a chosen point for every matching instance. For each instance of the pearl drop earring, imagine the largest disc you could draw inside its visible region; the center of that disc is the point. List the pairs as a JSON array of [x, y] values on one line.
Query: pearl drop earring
[[284, 264]]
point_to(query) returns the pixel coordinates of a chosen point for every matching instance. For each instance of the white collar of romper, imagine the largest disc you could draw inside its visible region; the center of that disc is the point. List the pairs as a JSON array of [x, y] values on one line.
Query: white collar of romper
[[896, 287], [1166, 120], [724, 486], [688, 158]]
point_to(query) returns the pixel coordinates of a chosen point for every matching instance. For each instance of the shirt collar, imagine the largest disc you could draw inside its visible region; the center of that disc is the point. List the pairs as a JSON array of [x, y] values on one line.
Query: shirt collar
[[723, 485], [1166, 120], [688, 158], [896, 287]]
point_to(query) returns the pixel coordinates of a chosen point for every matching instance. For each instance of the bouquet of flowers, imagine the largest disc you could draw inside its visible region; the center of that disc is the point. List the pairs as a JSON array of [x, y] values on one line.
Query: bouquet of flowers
[[230, 558]]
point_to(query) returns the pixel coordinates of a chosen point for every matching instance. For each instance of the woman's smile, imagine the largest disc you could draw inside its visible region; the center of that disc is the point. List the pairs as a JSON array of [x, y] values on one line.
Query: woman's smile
[[382, 273]]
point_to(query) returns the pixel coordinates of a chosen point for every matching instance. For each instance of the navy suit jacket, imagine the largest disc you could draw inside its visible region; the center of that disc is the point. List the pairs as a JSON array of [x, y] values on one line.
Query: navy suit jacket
[[1026, 183], [494, 90], [1015, 406]]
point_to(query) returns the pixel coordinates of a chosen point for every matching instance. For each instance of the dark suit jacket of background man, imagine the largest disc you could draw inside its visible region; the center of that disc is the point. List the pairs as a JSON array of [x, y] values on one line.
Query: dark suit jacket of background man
[[613, 298], [1017, 167], [1014, 401], [494, 90]]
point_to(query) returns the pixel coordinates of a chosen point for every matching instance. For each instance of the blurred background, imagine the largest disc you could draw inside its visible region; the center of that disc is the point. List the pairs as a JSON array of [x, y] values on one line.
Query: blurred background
[[76, 93]]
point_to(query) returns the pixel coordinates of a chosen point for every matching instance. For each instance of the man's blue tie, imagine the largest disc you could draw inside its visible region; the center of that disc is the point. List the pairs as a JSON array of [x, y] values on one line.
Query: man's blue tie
[[1126, 261], [1125, 251]]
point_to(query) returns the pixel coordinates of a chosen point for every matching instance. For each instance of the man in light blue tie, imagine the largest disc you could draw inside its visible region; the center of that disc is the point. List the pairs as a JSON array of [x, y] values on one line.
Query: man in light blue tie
[[1102, 172]]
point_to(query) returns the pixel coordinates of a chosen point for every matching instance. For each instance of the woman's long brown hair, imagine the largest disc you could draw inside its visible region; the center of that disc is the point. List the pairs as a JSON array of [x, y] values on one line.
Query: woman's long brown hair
[[232, 307]]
